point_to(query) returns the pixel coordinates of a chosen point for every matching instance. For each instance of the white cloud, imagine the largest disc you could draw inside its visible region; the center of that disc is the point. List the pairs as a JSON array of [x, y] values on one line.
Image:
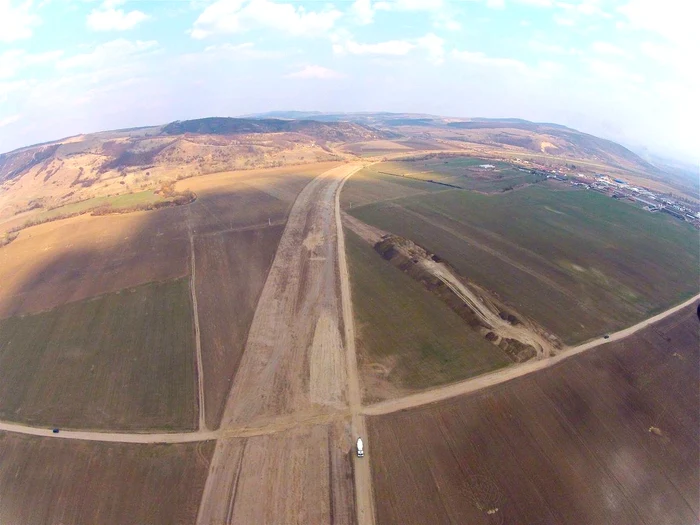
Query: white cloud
[[16, 20], [606, 48], [245, 51], [608, 72], [11, 62], [409, 5], [9, 88], [496, 4], [234, 16], [674, 20], [363, 11], [9, 120], [431, 44], [536, 3], [388, 48], [317, 72], [479, 58], [106, 18], [109, 54], [444, 21], [434, 46]]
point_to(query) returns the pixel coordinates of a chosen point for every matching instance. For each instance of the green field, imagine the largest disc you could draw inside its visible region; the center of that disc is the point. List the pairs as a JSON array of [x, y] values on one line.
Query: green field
[[120, 361], [578, 262], [401, 325], [369, 185], [464, 173], [116, 202]]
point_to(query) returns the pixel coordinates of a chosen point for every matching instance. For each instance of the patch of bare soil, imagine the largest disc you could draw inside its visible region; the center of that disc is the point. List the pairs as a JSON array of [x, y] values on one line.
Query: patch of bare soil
[[517, 336]]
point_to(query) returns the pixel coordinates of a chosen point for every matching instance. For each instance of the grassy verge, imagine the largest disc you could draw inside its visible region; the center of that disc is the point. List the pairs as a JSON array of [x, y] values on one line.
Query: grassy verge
[[401, 325], [120, 361]]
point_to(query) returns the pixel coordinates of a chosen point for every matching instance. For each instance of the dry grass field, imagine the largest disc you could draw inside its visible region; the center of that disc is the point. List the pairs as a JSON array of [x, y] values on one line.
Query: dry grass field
[[609, 436], [56, 481], [243, 199], [577, 262], [407, 338], [118, 361], [231, 271]]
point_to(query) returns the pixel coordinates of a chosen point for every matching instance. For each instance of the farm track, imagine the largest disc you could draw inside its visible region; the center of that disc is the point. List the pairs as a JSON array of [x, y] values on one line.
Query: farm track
[[197, 338], [384, 407]]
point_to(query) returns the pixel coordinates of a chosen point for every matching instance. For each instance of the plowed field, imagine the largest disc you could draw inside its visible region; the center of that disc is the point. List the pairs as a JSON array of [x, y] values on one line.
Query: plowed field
[[609, 436], [46, 480]]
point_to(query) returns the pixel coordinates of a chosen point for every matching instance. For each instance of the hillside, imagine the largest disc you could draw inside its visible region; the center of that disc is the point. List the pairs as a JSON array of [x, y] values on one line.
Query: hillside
[[54, 174], [42, 177]]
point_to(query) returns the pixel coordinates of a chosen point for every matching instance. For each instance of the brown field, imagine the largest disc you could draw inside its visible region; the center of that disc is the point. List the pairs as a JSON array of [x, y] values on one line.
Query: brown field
[[231, 271], [48, 265], [118, 361], [608, 436], [55, 481], [240, 199], [302, 475]]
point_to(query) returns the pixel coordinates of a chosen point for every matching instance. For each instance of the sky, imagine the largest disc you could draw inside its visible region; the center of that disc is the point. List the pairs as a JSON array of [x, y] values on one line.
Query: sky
[[627, 70]]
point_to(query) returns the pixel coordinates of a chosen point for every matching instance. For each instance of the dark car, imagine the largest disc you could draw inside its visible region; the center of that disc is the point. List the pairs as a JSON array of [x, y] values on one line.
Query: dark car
[[606, 336], [55, 431]]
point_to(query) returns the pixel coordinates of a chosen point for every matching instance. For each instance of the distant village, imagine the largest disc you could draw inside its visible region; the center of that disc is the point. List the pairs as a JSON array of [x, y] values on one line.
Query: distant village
[[618, 188]]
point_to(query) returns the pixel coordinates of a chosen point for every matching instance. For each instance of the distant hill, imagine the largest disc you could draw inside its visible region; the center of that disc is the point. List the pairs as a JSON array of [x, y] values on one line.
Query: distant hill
[[84, 166], [535, 137], [336, 131]]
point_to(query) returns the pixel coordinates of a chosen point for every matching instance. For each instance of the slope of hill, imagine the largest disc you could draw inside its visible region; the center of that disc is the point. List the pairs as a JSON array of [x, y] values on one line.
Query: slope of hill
[[73, 169]]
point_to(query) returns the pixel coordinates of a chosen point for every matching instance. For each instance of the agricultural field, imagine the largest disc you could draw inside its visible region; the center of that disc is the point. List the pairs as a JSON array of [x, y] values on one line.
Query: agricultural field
[[575, 261], [49, 265], [548, 448], [469, 173], [407, 338], [369, 186], [244, 199], [123, 360], [116, 203], [44, 480], [231, 271]]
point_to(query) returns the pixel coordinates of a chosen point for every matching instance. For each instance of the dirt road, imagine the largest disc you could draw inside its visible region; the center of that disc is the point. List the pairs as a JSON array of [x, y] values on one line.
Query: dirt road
[[295, 363], [501, 376], [364, 499], [198, 339]]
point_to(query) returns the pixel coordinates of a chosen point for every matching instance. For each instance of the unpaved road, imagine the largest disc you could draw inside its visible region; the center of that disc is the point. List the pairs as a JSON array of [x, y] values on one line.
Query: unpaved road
[[295, 363], [507, 374], [198, 339], [364, 499]]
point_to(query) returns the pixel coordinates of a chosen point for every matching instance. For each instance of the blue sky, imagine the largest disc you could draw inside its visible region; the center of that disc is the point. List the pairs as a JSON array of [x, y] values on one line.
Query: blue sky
[[622, 69]]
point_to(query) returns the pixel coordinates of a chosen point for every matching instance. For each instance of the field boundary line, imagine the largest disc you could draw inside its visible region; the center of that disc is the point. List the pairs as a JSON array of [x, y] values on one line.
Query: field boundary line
[[501, 376], [197, 338], [364, 497], [384, 407]]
